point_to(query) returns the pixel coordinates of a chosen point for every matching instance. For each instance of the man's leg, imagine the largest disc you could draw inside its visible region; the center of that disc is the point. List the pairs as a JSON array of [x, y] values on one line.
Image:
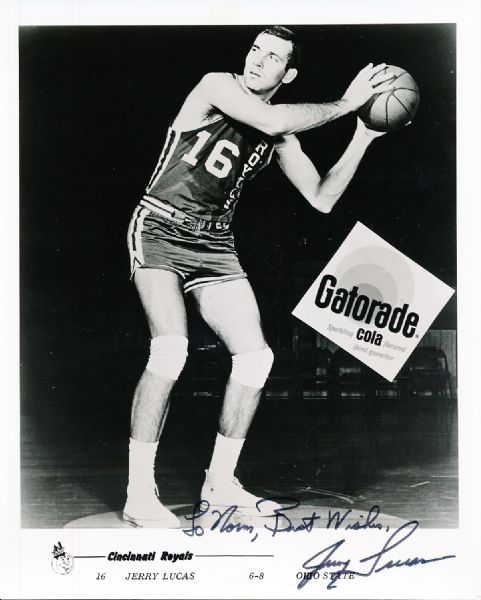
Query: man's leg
[[161, 295], [231, 310]]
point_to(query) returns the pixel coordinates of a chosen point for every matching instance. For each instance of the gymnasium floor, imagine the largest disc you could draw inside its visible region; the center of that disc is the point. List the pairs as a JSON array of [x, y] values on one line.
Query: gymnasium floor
[[74, 459]]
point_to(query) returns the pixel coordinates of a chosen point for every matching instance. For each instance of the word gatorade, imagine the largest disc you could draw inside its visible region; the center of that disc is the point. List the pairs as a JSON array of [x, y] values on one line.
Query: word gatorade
[[362, 308]]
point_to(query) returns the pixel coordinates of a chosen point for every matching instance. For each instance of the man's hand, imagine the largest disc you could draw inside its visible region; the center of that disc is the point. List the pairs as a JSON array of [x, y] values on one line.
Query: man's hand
[[370, 80]]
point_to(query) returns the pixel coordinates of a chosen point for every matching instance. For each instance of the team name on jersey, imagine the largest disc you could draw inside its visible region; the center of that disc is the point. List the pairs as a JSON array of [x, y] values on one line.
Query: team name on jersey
[[248, 171]]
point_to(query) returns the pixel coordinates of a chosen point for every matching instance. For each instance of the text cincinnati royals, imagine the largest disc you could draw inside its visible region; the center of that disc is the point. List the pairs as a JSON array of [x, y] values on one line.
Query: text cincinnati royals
[[362, 308], [148, 556]]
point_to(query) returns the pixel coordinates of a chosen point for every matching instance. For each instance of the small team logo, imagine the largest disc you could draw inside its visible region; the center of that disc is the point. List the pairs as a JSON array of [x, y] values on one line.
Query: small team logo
[[62, 562]]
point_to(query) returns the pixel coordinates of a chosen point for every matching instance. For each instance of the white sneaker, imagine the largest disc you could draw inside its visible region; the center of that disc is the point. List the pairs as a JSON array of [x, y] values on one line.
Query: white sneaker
[[145, 510], [226, 493]]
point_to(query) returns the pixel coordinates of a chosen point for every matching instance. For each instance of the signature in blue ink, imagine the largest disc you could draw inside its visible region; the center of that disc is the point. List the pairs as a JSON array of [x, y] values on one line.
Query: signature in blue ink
[[283, 524], [223, 522], [224, 519], [327, 558], [279, 520], [337, 520]]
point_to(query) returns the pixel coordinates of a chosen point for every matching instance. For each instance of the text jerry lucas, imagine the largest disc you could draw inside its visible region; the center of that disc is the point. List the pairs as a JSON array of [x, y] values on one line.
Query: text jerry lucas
[[149, 556]]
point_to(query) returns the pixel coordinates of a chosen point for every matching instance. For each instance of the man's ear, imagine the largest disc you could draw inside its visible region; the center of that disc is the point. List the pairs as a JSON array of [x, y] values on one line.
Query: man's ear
[[290, 75]]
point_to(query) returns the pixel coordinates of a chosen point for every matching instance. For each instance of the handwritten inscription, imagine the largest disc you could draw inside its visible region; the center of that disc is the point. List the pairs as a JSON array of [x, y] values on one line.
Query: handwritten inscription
[[279, 521], [336, 565], [328, 558]]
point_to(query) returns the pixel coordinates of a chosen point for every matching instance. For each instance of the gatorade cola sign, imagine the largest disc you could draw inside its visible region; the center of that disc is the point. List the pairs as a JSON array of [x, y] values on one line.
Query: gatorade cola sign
[[373, 301]]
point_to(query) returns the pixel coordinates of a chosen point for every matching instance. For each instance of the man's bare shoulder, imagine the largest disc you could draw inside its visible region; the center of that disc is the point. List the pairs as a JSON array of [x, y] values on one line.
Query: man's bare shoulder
[[215, 78], [198, 107]]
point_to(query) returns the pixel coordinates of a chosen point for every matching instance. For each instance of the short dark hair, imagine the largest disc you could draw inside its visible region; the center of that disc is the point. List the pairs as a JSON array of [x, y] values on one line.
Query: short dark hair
[[286, 34]]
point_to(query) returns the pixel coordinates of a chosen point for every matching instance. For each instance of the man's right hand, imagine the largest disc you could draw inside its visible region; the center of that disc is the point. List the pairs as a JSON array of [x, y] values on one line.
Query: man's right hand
[[370, 80]]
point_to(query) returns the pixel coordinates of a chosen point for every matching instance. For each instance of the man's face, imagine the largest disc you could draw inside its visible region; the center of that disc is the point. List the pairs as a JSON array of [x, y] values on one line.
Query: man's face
[[266, 62], [66, 560]]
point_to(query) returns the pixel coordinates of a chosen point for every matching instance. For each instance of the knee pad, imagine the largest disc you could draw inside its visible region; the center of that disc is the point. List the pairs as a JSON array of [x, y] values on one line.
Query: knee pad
[[168, 354], [252, 368]]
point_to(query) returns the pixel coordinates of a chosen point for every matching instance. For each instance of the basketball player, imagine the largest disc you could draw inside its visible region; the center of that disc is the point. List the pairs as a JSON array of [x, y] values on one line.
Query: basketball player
[[180, 242]]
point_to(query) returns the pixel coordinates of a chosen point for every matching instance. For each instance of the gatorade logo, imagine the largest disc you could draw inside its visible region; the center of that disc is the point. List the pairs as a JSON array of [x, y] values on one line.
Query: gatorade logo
[[373, 301], [362, 308]]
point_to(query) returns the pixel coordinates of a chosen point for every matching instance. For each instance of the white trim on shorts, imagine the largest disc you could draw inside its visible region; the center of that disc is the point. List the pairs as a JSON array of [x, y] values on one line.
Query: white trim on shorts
[[135, 245], [204, 281], [137, 259]]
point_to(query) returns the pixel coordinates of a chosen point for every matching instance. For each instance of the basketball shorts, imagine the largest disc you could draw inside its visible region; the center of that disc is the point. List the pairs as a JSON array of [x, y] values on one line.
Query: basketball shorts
[[200, 258]]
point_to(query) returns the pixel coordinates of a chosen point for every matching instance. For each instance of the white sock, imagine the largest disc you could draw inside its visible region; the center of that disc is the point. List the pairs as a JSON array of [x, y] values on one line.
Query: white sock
[[141, 465], [225, 456]]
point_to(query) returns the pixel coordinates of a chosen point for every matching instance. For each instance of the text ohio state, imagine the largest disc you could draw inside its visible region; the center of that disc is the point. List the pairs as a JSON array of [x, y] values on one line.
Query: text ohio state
[[362, 308]]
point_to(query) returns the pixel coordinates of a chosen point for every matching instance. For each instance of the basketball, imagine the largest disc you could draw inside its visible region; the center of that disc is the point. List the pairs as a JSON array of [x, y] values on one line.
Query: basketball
[[392, 110]]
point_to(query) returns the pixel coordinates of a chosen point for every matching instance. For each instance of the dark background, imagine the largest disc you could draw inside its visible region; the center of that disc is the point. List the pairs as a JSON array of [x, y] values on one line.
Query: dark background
[[95, 103]]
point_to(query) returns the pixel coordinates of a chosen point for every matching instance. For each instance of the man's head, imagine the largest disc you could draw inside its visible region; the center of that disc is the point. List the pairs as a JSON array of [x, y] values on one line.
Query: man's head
[[272, 60]]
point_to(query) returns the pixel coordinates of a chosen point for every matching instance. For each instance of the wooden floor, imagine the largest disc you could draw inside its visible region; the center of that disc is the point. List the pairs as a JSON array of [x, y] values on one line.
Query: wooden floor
[[74, 458]]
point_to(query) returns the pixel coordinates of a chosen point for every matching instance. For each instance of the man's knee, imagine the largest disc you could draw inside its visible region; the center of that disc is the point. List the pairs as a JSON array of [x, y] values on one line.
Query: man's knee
[[168, 354], [252, 368]]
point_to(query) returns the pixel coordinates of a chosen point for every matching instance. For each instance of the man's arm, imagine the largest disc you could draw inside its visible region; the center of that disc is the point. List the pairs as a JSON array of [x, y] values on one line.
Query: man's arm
[[323, 193], [223, 92]]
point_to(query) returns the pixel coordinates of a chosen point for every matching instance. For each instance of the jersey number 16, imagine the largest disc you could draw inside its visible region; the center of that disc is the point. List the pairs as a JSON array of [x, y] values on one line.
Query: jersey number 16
[[217, 163]]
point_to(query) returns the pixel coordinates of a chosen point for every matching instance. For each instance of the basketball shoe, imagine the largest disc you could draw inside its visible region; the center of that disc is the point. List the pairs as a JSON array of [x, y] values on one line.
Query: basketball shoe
[[230, 492], [144, 509]]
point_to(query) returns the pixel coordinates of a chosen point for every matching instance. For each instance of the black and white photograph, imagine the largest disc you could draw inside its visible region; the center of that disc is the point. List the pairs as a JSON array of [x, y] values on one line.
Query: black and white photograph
[[98, 106], [184, 190]]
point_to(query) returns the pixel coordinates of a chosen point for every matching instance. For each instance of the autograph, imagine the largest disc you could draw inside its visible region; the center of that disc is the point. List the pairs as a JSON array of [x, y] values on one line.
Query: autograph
[[224, 519], [329, 558], [228, 521], [279, 521]]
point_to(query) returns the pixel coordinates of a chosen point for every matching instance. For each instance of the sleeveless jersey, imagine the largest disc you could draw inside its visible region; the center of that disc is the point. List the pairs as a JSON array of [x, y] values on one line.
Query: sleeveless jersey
[[202, 171]]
